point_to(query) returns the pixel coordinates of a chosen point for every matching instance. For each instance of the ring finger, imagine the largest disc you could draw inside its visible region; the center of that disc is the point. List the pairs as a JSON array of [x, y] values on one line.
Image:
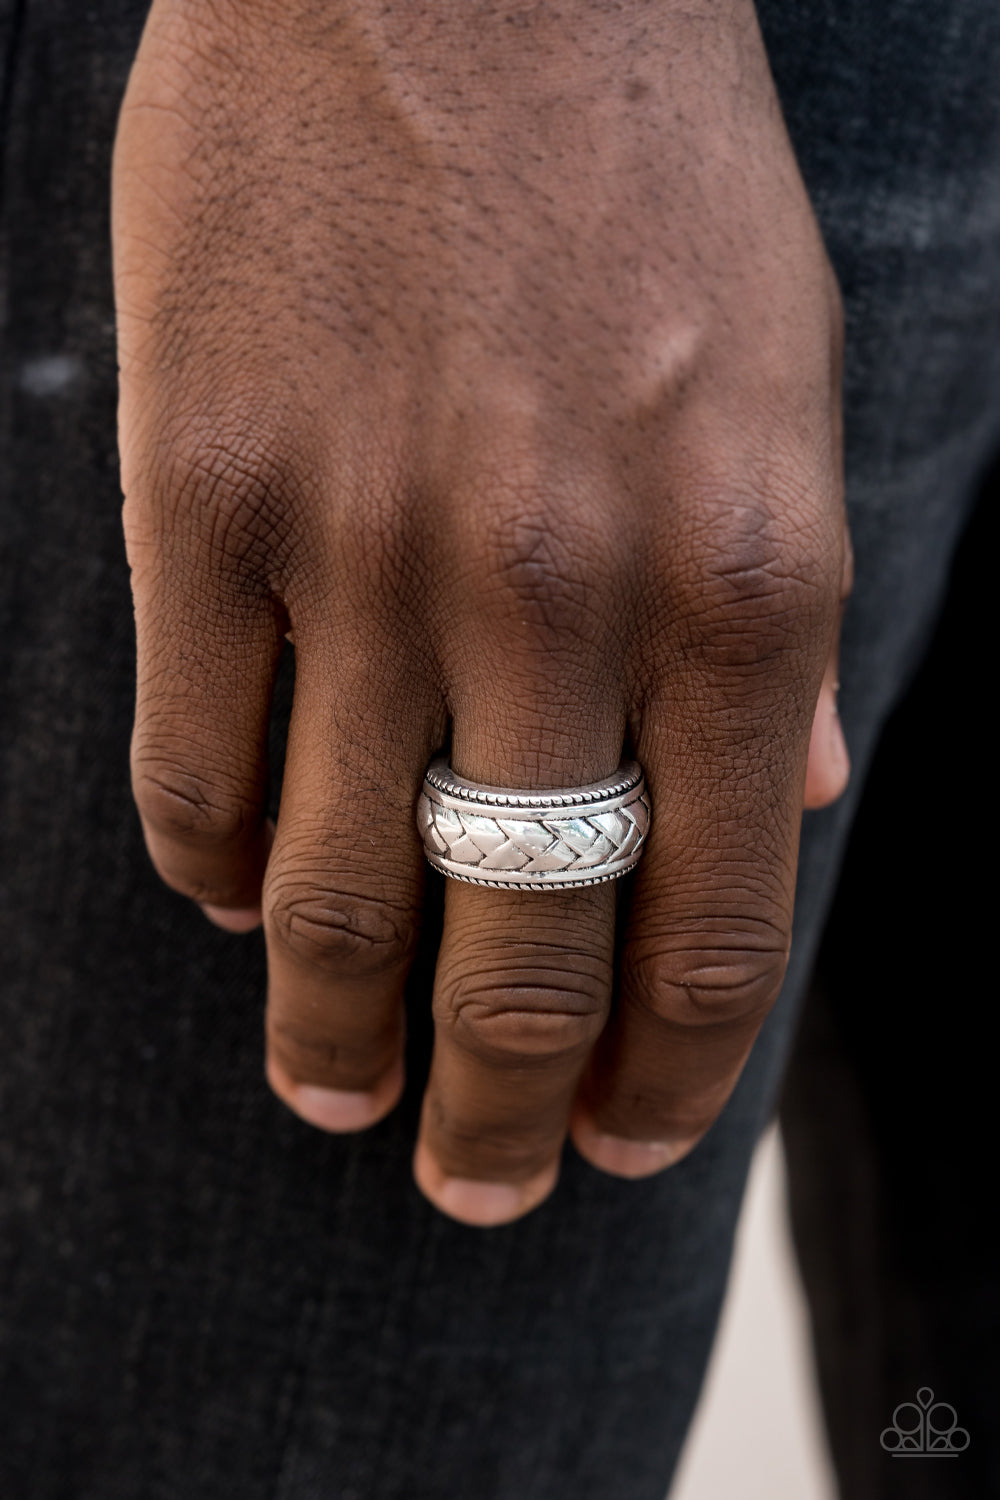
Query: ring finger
[[523, 983]]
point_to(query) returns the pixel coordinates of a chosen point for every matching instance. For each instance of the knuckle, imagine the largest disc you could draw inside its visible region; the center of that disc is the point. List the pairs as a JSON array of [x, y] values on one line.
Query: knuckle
[[179, 804], [340, 934], [232, 494], [535, 1024], [225, 481], [512, 1149], [307, 1053], [542, 562], [302, 1050], [707, 986], [755, 586], [531, 563]]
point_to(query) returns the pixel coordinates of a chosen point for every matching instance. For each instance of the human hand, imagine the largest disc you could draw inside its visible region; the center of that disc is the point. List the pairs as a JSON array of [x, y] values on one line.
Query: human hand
[[494, 352]]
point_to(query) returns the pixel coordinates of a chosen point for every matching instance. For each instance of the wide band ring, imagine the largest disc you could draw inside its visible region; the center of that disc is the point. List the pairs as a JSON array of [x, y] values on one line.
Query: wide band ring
[[489, 835]]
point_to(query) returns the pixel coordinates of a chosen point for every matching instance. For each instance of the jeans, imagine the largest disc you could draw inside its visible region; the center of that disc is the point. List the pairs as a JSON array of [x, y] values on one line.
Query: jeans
[[201, 1298]]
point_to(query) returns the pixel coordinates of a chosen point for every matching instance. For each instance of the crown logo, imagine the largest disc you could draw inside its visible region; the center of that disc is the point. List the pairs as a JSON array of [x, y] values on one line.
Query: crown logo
[[924, 1428]]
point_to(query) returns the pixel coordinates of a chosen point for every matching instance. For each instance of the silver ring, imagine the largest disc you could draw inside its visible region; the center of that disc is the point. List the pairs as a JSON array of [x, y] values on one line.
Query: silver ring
[[489, 835]]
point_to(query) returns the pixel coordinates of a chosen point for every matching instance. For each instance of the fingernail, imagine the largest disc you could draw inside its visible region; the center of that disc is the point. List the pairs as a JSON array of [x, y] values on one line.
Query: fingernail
[[338, 1110], [622, 1157], [233, 919], [838, 746], [475, 1201]]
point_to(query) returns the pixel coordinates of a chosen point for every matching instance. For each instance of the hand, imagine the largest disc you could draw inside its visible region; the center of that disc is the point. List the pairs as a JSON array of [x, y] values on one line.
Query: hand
[[493, 351]]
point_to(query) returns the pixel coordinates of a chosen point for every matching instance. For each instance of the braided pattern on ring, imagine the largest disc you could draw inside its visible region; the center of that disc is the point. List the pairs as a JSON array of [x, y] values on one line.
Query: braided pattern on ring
[[514, 842]]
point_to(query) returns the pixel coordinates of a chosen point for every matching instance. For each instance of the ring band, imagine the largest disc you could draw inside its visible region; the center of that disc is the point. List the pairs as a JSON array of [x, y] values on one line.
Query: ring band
[[490, 835]]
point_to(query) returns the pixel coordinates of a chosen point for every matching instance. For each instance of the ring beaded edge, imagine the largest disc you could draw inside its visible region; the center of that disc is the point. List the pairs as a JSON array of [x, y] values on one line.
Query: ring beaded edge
[[531, 885], [448, 783]]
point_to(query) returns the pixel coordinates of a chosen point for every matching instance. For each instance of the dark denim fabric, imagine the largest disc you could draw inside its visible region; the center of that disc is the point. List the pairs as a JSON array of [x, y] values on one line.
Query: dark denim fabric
[[200, 1297], [889, 1108]]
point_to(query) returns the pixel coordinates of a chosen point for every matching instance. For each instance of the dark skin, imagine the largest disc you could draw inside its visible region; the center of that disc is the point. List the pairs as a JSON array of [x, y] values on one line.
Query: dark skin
[[492, 351]]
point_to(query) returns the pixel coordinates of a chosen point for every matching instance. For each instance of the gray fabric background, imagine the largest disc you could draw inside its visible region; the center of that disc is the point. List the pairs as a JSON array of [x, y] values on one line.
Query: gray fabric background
[[200, 1297]]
